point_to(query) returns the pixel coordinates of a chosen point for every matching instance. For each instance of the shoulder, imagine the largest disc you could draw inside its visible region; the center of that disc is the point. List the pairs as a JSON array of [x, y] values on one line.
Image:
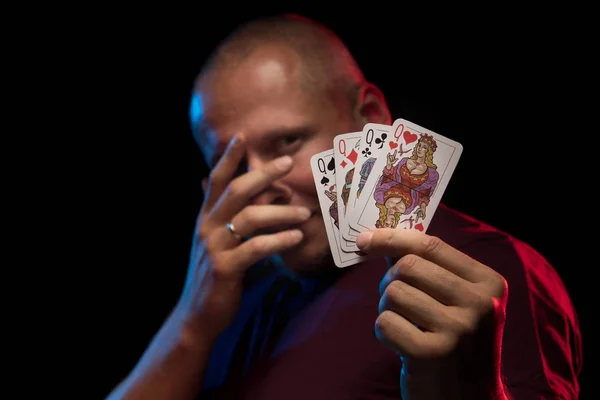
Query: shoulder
[[489, 245], [508, 255]]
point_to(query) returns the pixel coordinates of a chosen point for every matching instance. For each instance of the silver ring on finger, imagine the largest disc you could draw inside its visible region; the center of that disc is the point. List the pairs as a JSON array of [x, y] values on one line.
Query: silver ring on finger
[[232, 230]]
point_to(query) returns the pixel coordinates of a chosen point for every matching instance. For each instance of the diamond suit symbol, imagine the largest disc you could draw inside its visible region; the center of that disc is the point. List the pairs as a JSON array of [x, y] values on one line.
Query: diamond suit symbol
[[352, 156]]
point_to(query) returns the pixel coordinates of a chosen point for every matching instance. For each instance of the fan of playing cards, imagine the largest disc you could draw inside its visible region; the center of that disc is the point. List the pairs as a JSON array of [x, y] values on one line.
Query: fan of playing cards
[[381, 177]]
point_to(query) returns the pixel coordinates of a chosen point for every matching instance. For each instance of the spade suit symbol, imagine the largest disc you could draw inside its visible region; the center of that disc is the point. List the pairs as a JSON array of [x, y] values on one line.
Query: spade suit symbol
[[331, 165]]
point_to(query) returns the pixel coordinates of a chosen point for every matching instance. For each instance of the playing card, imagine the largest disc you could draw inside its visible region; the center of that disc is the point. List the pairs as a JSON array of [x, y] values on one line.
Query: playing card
[[407, 181], [373, 138], [345, 152], [323, 169]]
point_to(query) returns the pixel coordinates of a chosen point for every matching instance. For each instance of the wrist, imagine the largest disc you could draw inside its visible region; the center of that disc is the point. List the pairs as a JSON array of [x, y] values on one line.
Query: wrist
[[194, 333], [450, 380]]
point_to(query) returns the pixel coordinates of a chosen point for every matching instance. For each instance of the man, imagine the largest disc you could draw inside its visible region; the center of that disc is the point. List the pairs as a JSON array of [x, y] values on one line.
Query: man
[[264, 313]]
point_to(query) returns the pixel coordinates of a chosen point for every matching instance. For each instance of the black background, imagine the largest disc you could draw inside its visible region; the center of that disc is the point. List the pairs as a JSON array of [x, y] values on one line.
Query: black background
[[509, 85]]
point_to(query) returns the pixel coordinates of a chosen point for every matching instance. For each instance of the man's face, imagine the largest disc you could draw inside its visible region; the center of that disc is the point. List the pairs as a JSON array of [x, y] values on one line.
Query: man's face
[[262, 99]]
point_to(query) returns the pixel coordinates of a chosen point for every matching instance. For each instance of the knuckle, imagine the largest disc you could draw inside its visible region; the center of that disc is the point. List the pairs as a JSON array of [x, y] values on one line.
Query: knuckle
[[215, 176], [390, 295], [406, 264], [382, 326], [259, 245], [219, 267], [432, 244], [484, 305], [235, 188], [383, 323], [382, 306], [394, 290], [249, 214], [211, 244], [243, 217], [498, 285], [464, 324], [388, 238], [204, 231]]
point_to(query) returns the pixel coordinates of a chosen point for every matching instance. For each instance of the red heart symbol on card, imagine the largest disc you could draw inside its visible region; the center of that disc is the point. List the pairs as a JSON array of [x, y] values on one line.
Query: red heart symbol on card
[[409, 137], [393, 145], [419, 226], [331, 188]]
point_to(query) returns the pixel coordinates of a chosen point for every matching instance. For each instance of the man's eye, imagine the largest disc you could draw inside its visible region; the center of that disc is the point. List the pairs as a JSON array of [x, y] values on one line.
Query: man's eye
[[288, 140], [290, 143], [287, 144]]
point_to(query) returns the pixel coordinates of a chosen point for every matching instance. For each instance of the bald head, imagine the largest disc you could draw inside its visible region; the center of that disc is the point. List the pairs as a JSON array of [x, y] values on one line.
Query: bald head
[[320, 59]]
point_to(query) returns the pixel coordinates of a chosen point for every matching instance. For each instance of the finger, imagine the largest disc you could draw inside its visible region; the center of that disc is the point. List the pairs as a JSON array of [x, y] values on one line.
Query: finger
[[259, 247], [252, 219], [397, 243], [404, 338], [395, 153], [243, 188], [226, 167], [414, 305], [439, 283]]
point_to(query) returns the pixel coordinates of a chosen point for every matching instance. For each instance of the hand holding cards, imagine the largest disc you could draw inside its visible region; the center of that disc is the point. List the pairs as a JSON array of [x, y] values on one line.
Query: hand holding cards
[[381, 177]]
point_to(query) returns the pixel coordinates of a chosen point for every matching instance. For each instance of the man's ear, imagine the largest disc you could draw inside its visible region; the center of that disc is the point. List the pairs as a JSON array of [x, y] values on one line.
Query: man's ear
[[371, 106]]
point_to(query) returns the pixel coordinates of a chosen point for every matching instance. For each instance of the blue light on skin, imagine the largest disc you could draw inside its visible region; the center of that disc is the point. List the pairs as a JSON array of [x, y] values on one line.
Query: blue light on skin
[[206, 142], [196, 110]]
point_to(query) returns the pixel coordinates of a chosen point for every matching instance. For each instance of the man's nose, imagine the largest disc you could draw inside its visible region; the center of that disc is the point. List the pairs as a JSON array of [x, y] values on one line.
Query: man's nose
[[277, 192]]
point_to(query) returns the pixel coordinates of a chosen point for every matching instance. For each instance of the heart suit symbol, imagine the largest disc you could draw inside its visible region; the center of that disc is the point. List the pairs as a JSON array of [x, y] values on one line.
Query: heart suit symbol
[[409, 137]]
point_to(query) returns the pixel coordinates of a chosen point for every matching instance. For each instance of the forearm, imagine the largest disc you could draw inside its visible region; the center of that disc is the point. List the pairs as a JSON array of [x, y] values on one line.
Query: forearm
[[172, 367]]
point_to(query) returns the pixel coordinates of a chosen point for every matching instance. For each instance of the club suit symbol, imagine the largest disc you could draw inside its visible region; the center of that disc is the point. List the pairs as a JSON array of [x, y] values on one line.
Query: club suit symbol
[[381, 141]]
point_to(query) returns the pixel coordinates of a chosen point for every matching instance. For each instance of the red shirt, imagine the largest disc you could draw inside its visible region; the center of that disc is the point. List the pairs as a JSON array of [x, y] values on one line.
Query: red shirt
[[328, 349]]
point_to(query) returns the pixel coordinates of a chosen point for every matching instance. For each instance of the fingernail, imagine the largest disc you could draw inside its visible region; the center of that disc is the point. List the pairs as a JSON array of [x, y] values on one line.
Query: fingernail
[[364, 239], [238, 138], [233, 141], [304, 212], [284, 162]]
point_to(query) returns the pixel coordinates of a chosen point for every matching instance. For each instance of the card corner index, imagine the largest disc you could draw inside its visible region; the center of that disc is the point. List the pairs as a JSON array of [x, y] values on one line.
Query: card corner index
[[315, 156]]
